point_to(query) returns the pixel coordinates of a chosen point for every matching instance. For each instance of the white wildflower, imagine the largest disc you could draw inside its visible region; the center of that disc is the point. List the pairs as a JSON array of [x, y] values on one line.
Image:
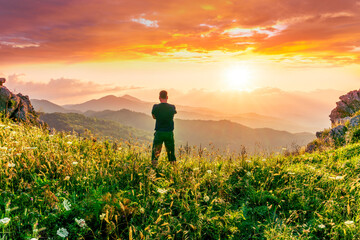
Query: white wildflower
[[206, 198], [67, 205], [30, 148], [5, 221], [162, 191], [67, 178], [34, 239], [102, 216], [75, 163], [10, 165], [321, 226], [337, 178], [349, 222], [81, 222], [248, 161], [69, 143], [142, 210], [209, 171], [62, 232], [264, 159], [291, 173], [67, 136], [248, 174], [3, 148], [196, 169]]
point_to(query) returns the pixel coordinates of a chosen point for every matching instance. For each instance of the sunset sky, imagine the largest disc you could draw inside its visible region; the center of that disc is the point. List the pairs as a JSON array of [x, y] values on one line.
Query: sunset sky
[[73, 50]]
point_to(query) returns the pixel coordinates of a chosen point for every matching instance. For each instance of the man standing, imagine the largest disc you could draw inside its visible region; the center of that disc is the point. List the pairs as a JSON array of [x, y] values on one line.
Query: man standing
[[164, 127]]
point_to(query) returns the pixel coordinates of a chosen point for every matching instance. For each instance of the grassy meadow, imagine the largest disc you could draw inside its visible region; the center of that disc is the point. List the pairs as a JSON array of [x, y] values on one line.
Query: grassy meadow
[[59, 186]]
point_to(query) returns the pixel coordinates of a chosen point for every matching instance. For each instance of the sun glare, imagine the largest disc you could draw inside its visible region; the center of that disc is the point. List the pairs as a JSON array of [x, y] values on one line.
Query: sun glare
[[238, 77]]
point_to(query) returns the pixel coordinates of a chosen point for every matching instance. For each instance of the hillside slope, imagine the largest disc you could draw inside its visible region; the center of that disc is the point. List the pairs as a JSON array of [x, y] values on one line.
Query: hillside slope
[[102, 128], [57, 185], [223, 134]]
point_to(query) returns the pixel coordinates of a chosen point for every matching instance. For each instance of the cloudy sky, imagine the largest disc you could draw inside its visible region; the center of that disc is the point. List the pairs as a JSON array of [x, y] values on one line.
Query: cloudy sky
[[74, 50]]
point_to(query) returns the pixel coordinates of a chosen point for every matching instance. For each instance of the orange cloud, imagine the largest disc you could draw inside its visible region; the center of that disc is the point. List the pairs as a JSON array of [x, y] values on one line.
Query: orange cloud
[[79, 30]]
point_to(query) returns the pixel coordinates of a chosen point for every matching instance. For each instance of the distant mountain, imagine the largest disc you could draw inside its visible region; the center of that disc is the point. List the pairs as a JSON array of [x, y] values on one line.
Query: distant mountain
[[112, 102], [46, 106], [100, 127], [253, 120], [221, 133]]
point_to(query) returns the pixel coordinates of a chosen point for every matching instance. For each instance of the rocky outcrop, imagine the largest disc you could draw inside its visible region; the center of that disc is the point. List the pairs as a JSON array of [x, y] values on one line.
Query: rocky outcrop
[[338, 132], [346, 107], [18, 107], [355, 121]]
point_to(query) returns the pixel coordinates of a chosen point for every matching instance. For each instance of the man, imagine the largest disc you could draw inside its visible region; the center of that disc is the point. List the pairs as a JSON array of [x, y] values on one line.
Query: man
[[164, 127]]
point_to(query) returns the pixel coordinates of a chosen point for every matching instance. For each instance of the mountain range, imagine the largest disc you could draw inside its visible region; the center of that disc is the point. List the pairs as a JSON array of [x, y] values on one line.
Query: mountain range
[[115, 103], [117, 117]]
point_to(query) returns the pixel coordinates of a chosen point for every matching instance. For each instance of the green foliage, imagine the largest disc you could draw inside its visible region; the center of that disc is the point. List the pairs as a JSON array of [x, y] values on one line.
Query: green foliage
[[353, 135], [103, 190], [79, 123]]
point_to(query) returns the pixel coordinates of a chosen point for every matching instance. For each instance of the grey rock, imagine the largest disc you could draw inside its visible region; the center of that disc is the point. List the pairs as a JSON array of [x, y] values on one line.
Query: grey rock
[[346, 107], [18, 107], [319, 134], [355, 121], [338, 132]]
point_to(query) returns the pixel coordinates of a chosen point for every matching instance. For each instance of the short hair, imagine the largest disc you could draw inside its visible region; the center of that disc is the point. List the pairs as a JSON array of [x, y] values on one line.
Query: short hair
[[163, 94]]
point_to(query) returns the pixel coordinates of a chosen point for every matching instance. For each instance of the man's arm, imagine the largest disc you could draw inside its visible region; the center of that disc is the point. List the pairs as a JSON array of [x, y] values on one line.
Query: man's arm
[[153, 111]]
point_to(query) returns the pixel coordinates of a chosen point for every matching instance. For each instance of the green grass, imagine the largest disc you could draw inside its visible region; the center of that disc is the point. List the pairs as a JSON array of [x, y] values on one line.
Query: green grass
[[47, 182]]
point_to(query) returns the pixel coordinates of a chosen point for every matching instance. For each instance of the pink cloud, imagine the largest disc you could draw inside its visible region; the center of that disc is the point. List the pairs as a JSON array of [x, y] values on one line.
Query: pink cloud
[[62, 89]]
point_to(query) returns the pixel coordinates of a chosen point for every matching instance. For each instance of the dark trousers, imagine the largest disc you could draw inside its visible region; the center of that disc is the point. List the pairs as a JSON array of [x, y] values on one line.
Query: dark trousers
[[159, 139]]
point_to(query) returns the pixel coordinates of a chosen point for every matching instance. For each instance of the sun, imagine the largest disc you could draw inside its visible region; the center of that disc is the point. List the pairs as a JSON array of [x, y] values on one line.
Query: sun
[[238, 77]]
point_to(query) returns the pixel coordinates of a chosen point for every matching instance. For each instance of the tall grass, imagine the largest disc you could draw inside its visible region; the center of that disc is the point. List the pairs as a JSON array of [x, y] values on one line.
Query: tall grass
[[64, 187]]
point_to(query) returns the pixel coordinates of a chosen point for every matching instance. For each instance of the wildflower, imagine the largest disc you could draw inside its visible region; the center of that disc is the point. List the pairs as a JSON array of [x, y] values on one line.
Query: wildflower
[[337, 178], [30, 148], [67, 178], [34, 239], [3, 148], [142, 210], [349, 222], [284, 149], [248, 174], [162, 191], [69, 143], [11, 165], [264, 159], [75, 163], [67, 205], [209, 171], [4, 221], [81, 222], [248, 161], [102, 216], [196, 169], [62, 232], [291, 173], [206, 198], [321, 226]]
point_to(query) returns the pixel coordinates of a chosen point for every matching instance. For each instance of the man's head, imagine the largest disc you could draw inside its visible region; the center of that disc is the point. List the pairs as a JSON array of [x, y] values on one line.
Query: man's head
[[163, 97]]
